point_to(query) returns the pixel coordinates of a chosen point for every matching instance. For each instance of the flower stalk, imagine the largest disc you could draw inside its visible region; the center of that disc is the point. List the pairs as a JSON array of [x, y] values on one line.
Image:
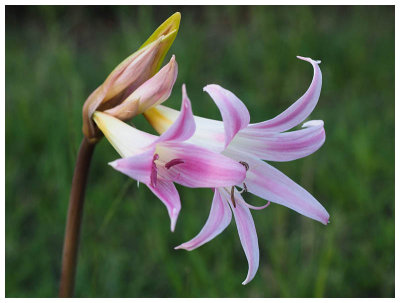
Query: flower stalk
[[74, 218]]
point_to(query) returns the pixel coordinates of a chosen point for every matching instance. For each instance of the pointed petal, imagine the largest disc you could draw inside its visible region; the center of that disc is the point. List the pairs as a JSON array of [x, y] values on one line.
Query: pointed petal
[[286, 146], [219, 218], [270, 184], [137, 167], [209, 133], [247, 234], [234, 113], [127, 140], [184, 126], [200, 167], [167, 193], [151, 93], [298, 111]]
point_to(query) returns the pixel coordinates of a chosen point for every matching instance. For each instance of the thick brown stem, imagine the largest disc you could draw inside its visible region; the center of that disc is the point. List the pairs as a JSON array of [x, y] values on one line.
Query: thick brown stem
[[74, 218]]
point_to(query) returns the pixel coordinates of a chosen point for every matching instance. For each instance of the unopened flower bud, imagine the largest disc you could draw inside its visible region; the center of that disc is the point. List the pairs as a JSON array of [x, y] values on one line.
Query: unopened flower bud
[[130, 74], [151, 93]]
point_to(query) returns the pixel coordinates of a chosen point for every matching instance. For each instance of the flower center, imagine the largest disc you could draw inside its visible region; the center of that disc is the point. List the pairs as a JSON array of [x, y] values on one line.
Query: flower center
[[244, 189], [154, 170]]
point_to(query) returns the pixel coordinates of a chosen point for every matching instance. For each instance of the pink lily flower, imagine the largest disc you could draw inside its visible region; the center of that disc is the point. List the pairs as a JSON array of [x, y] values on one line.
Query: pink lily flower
[[249, 144], [160, 161]]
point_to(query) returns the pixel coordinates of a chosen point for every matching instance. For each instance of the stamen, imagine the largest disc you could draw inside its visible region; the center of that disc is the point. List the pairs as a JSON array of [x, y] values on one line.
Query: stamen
[[153, 174], [233, 196], [244, 189], [173, 163], [245, 164]]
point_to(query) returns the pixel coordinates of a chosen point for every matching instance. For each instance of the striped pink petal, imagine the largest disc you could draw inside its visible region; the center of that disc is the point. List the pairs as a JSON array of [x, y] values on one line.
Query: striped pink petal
[[184, 126], [234, 113], [286, 146], [270, 184], [167, 193], [219, 218], [298, 111], [247, 234], [200, 167], [138, 167]]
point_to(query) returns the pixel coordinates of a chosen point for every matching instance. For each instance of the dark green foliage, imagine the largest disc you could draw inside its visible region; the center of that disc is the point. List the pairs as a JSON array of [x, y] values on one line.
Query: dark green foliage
[[55, 57]]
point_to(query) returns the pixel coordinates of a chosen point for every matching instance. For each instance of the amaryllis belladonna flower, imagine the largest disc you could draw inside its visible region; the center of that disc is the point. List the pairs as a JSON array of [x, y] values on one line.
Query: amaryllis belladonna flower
[[160, 161], [249, 144]]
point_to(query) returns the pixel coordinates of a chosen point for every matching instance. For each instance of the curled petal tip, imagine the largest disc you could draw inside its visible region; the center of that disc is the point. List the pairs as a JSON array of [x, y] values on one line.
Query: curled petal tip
[[313, 123], [209, 86], [324, 219], [308, 59]]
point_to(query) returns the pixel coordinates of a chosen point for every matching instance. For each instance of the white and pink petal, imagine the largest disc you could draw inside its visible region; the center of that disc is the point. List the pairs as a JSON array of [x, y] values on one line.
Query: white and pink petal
[[285, 146], [184, 126], [138, 167], [167, 193], [247, 233], [234, 113], [199, 167], [299, 110], [219, 218], [272, 185]]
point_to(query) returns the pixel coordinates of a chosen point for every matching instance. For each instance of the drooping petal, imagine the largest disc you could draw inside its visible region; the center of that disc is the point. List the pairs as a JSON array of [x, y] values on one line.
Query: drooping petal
[[286, 146], [298, 111], [127, 140], [219, 218], [184, 126], [247, 234], [209, 133], [234, 113], [200, 167], [167, 193], [270, 184], [138, 167], [151, 93]]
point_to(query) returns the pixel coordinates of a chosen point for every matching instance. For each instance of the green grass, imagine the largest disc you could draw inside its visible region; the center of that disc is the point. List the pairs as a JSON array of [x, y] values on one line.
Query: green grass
[[55, 57]]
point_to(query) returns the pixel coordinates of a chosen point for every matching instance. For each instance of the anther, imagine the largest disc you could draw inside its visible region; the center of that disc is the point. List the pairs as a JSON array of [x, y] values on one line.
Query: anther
[[244, 189], [153, 174], [233, 196], [173, 163], [245, 164]]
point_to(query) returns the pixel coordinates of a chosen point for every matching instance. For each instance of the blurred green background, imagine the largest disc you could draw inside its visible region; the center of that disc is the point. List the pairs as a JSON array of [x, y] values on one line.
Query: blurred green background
[[55, 57]]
